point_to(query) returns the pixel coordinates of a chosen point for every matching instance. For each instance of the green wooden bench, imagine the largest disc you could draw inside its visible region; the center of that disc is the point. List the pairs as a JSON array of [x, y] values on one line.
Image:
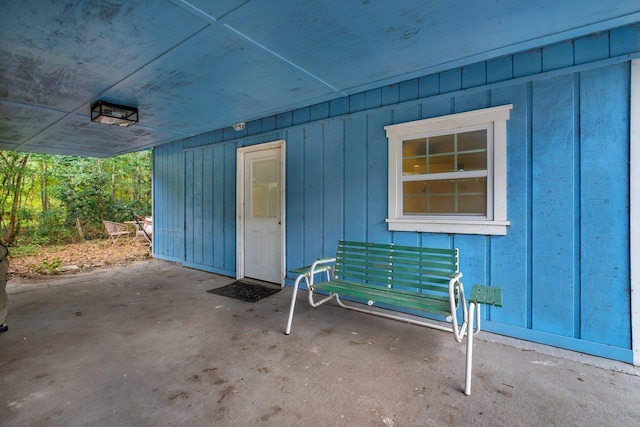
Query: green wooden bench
[[401, 277]]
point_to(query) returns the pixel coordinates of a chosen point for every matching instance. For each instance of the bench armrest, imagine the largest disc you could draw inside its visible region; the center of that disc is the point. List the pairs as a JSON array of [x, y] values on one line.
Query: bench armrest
[[456, 289], [319, 266], [488, 295], [456, 295]]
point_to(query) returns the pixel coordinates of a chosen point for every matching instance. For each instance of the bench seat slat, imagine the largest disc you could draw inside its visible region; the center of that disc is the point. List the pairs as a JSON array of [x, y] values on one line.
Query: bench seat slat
[[436, 288], [384, 259], [430, 277], [441, 287], [400, 298], [365, 287], [390, 246]]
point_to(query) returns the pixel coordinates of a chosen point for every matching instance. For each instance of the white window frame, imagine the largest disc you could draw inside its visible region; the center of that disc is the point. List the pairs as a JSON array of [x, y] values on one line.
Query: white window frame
[[495, 222]]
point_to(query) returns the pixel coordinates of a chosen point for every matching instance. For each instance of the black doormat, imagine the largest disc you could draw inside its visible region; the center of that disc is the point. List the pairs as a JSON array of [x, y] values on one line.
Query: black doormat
[[245, 291]]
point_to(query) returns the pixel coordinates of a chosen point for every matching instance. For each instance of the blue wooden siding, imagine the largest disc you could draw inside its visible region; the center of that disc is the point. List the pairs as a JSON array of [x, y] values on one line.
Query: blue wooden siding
[[564, 263], [209, 223], [168, 203], [604, 205]]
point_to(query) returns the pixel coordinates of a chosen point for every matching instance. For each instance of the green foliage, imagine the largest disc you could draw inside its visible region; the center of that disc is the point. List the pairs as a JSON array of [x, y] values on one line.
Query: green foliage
[[56, 191], [52, 227], [26, 250], [13, 169], [48, 267]]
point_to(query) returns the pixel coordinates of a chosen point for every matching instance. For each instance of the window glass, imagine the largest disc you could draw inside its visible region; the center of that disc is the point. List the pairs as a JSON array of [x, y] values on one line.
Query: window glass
[[414, 156], [265, 188], [467, 196], [450, 153]]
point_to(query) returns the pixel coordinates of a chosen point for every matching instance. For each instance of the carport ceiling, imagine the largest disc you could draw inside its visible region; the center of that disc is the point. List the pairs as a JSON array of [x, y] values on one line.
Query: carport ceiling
[[195, 66]]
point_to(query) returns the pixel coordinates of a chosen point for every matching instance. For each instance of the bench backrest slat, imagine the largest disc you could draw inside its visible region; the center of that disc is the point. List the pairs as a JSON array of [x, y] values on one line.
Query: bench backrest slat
[[390, 265]]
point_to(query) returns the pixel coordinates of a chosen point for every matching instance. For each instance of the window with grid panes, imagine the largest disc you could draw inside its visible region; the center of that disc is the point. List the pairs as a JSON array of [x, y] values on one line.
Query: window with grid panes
[[448, 174]]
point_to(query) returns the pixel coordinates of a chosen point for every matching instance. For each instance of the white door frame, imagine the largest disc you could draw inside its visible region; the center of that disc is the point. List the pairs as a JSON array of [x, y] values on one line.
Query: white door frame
[[240, 249]]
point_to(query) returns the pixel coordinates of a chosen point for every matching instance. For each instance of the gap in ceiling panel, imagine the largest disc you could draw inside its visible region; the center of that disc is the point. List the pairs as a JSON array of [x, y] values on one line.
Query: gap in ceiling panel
[[211, 10], [19, 123], [213, 81], [77, 130]]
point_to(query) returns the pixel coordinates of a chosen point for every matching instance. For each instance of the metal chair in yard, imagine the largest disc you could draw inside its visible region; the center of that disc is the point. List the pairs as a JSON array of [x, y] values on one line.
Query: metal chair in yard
[[145, 226], [115, 230]]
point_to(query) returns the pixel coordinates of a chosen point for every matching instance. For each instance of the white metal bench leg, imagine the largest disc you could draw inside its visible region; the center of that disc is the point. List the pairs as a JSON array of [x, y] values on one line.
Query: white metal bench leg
[[469, 362], [293, 300]]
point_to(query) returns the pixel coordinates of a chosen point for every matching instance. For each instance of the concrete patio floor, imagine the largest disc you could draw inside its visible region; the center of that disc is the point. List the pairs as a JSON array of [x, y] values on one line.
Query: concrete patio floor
[[146, 345]]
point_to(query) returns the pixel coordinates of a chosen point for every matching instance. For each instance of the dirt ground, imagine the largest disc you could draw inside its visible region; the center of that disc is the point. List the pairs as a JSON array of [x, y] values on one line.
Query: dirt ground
[[75, 257]]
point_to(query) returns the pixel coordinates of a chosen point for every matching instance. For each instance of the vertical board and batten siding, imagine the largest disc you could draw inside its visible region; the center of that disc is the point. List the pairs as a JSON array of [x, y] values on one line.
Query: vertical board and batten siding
[[209, 227], [168, 204], [555, 238], [604, 204], [564, 264]]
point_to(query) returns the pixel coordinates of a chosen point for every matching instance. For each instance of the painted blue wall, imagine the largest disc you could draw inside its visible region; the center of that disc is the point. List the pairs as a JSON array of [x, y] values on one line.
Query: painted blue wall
[[564, 263]]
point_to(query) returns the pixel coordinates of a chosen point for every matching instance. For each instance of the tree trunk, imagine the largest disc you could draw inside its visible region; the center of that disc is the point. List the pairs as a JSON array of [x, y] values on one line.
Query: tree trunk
[[44, 187], [18, 175]]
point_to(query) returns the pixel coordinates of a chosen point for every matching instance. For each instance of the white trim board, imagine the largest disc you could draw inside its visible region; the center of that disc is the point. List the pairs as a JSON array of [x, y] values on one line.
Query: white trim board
[[634, 203]]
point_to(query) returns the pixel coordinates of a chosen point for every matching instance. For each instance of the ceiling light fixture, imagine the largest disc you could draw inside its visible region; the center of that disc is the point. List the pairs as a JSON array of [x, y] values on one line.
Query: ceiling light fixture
[[238, 127], [113, 114]]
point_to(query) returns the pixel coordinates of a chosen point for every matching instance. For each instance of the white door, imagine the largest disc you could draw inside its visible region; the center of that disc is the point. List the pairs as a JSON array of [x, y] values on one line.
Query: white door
[[262, 213]]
